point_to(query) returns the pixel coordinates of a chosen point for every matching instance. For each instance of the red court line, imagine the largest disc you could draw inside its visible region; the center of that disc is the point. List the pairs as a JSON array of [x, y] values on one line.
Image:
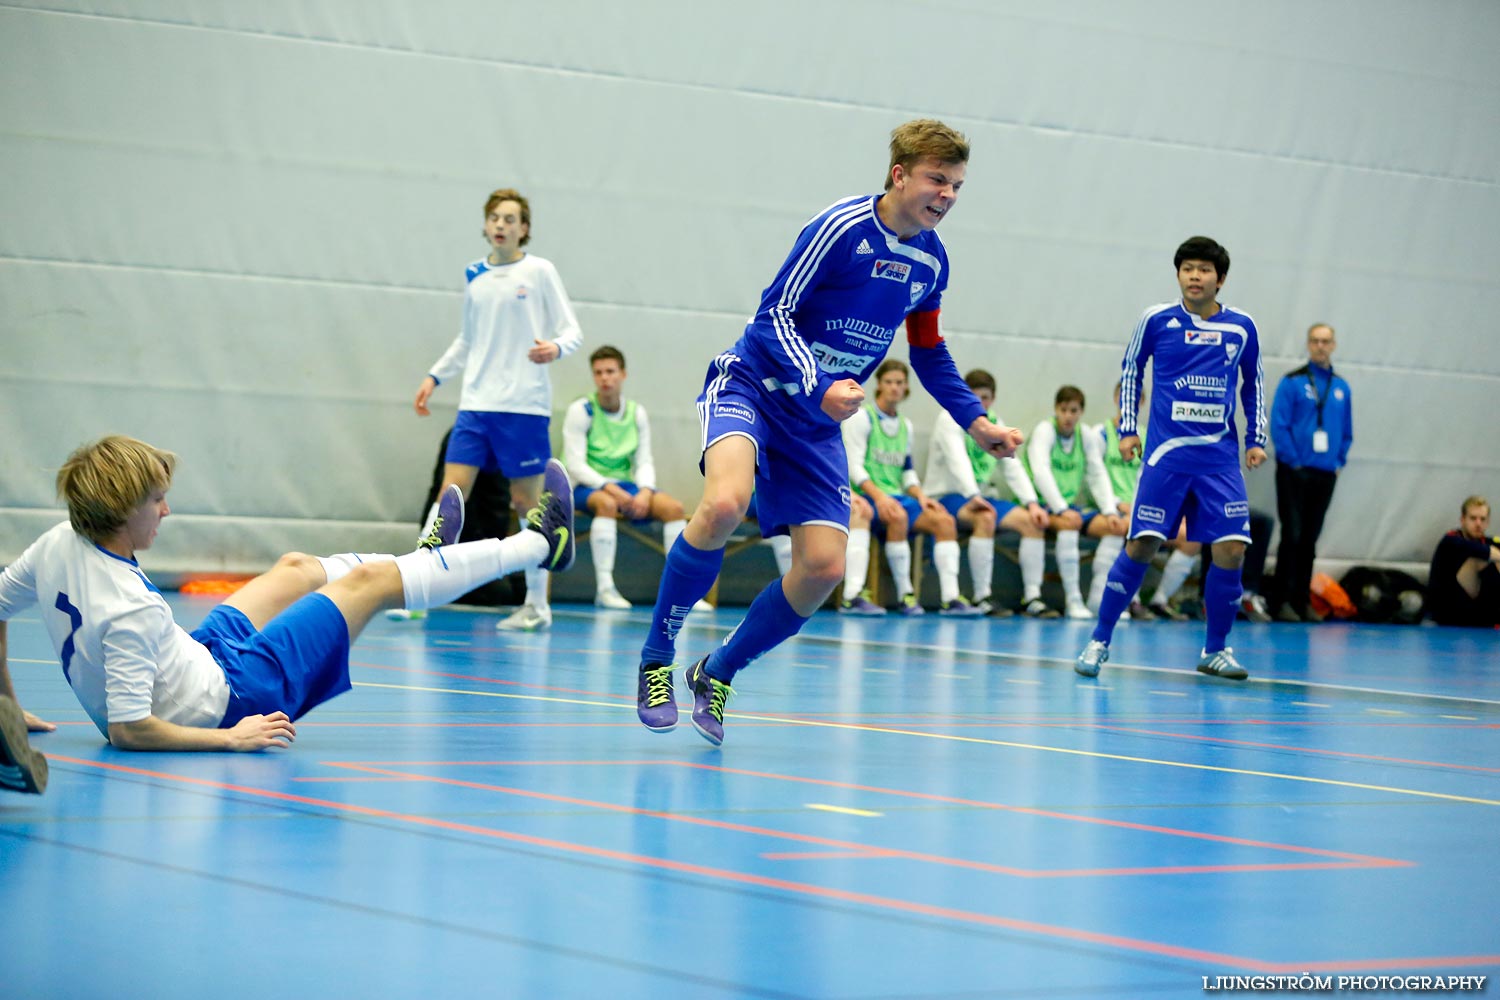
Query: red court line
[[1344, 860], [1139, 945], [491, 680], [1309, 750]]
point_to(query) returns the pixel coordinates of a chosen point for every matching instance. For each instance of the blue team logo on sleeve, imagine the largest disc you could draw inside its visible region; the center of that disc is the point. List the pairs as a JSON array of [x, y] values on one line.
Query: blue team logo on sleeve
[[895, 270]]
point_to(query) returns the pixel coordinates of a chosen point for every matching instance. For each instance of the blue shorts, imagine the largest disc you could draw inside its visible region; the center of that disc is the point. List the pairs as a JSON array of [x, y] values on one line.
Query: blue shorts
[[909, 503], [801, 476], [299, 660], [515, 443], [1214, 504], [954, 502], [1089, 513], [581, 496]]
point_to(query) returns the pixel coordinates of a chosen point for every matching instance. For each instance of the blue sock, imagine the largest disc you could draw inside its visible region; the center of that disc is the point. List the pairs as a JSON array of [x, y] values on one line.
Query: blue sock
[[689, 574], [1125, 578], [1221, 602], [770, 621]]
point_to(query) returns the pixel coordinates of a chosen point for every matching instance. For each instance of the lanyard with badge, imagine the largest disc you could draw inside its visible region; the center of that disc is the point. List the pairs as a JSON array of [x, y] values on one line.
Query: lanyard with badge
[[1320, 436]]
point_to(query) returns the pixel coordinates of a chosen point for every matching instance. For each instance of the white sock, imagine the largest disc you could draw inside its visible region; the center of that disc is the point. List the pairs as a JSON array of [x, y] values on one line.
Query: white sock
[[781, 548], [433, 577], [432, 513], [1179, 566], [945, 558], [856, 562], [669, 532], [603, 536], [1104, 557], [337, 566], [1033, 563], [898, 557], [536, 582], [981, 565], [1067, 565]]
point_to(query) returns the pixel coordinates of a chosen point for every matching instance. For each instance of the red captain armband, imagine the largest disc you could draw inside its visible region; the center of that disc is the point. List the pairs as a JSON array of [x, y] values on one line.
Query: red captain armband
[[922, 329]]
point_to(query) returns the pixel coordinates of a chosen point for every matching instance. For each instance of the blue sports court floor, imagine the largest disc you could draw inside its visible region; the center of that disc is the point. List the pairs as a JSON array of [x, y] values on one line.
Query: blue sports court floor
[[901, 809]]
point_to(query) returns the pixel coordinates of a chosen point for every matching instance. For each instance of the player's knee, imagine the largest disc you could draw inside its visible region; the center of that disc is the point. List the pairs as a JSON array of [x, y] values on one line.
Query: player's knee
[[823, 568], [302, 564], [1143, 549], [373, 575], [1068, 520], [1229, 555], [944, 528], [604, 506], [723, 512]]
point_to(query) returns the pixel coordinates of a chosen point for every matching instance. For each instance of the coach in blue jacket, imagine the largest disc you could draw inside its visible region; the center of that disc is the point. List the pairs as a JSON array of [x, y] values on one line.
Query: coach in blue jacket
[[1312, 427]]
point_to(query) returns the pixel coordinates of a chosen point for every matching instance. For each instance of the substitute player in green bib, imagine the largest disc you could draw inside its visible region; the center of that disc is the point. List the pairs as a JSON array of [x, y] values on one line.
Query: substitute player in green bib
[[607, 451]]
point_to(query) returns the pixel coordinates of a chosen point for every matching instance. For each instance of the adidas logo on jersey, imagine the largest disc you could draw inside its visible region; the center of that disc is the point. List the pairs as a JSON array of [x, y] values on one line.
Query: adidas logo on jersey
[[1172, 324], [864, 247]]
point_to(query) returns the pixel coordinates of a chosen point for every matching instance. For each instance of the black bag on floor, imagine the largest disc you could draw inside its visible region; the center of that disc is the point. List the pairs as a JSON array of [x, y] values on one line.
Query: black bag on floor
[[1385, 595]]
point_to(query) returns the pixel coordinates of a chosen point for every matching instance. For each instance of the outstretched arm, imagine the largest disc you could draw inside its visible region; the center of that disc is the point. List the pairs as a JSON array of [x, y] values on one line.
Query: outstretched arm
[[254, 732]]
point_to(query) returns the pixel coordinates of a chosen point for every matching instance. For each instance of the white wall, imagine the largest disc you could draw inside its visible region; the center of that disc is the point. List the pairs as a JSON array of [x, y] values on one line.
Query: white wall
[[239, 230]]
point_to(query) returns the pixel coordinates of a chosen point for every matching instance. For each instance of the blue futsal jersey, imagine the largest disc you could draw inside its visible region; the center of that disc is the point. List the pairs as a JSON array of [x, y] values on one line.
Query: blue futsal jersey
[[835, 306], [1195, 364]]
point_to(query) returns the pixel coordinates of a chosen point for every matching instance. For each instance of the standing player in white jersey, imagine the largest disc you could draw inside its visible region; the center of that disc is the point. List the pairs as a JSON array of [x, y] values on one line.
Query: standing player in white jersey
[[1198, 350], [517, 320], [274, 650], [771, 408]]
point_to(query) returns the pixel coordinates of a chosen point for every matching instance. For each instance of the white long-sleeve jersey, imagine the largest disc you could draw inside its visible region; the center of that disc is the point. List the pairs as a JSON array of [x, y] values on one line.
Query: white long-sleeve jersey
[[1096, 476], [121, 652], [507, 309], [576, 445], [949, 469]]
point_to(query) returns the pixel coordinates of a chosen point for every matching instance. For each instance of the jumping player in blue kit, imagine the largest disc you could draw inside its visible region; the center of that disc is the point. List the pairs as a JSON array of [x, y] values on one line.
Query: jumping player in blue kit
[[772, 404], [1198, 350]]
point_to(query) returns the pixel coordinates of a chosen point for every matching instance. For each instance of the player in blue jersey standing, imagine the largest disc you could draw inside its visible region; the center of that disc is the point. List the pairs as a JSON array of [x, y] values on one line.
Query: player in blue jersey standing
[[1198, 351], [771, 408]]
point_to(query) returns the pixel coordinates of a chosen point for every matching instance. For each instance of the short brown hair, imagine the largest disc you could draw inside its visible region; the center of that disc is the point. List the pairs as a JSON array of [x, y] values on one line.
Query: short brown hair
[[104, 482], [1069, 394], [924, 137], [607, 353], [511, 194], [894, 364], [980, 379]]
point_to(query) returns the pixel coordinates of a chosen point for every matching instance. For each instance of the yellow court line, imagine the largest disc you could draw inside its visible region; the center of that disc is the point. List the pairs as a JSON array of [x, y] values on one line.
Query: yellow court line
[[815, 723], [841, 809]]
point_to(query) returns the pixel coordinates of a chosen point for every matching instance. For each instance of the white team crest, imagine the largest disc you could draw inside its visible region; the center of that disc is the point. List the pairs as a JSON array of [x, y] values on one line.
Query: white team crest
[[917, 288], [1230, 350]]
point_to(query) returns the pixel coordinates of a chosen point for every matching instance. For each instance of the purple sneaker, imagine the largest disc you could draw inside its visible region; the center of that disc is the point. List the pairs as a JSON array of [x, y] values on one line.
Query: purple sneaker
[[862, 607], [909, 607], [449, 523], [959, 608], [553, 517], [709, 696], [655, 704]]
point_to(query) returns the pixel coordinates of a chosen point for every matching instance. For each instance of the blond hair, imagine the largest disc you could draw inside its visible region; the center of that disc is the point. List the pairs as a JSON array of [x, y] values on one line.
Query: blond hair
[[1471, 502], [923, 137], [104, 482]]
